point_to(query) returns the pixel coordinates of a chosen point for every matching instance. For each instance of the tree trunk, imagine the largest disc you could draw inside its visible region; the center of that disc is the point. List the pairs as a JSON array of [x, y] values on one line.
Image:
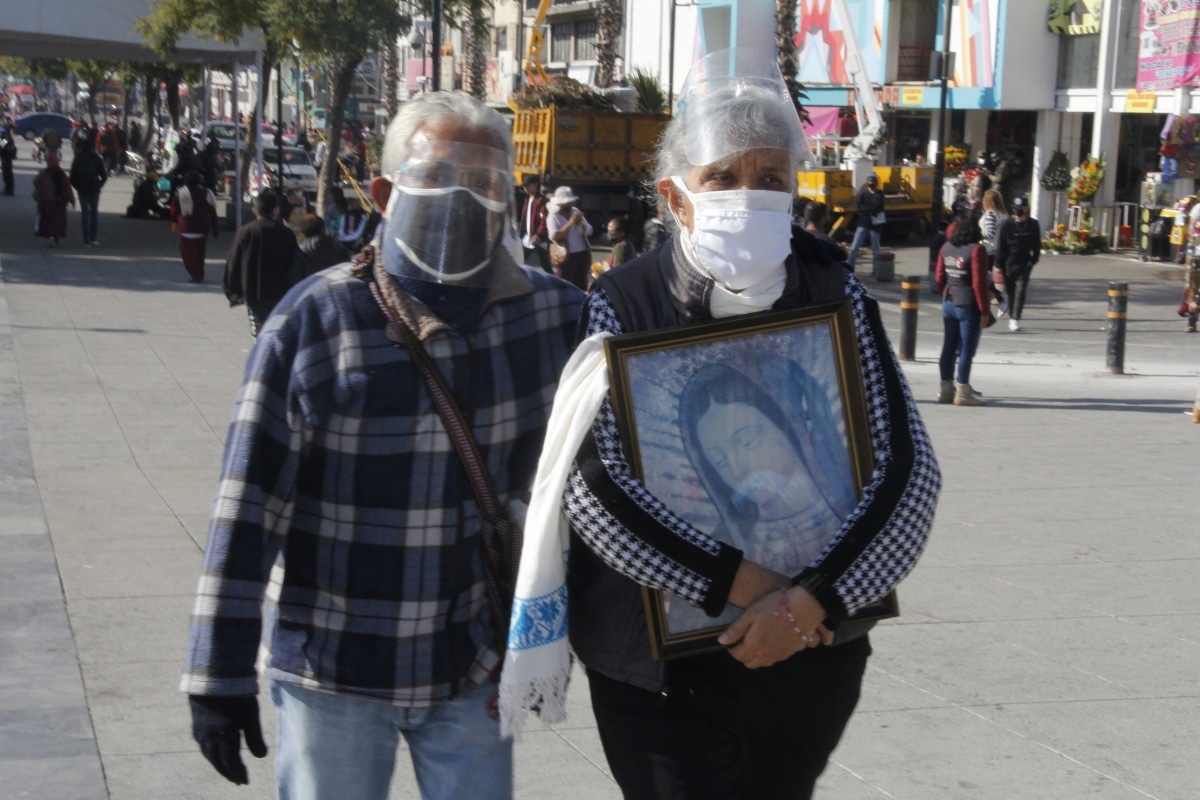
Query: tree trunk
[[150, 87], [391, 79], [343, 81], [173, 103], [475, 69], [785, 48], [609, 21]]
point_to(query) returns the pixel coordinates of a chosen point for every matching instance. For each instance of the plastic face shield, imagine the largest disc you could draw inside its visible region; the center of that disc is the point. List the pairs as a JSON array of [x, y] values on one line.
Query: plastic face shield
[[735, 100], [447, 213]]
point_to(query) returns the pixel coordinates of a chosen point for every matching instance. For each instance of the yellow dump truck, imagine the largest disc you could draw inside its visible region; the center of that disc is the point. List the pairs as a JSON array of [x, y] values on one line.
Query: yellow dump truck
[[909, 193], [601, 155]]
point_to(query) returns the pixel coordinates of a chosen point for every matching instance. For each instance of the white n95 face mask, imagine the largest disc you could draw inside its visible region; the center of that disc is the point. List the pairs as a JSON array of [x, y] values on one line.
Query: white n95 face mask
[[740, 238]]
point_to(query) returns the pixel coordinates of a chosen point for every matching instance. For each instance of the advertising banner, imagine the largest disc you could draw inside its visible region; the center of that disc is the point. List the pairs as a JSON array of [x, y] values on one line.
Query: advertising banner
[[821, 43], [1167, 49]]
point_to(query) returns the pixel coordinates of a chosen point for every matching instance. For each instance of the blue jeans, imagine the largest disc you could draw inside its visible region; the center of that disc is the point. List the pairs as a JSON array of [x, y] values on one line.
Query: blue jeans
[[860, 235], [962, 337], [91, 216], [333, 745]]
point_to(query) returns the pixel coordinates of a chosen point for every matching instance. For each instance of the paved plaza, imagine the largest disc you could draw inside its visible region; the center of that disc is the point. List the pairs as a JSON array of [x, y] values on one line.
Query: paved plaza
[[1049, 640]]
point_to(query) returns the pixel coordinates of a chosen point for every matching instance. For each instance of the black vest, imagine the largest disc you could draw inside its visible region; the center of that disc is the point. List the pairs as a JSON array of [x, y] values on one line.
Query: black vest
[[956, 261], [607, 617]]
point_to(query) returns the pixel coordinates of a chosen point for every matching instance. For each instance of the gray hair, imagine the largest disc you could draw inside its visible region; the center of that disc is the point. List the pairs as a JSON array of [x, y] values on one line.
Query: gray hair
[[749, 115], [457, 107]]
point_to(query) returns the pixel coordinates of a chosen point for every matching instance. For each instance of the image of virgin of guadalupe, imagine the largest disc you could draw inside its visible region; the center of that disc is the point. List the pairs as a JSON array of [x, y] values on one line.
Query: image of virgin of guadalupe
[[773, 458]]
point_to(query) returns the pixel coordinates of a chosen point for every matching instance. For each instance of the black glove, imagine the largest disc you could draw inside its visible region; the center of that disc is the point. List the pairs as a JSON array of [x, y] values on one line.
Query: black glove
[[218, 724]]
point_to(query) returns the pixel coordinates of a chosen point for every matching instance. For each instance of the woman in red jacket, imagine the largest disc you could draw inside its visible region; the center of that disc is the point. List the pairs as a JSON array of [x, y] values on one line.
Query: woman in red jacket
[[962, 278]]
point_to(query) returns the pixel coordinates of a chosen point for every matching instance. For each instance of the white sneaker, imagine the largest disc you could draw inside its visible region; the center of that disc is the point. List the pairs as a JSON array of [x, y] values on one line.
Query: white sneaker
[[1013, 325]]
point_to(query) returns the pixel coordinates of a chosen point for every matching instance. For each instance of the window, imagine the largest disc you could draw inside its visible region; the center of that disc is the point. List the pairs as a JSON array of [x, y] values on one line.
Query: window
[[1078, 61], [560, 41], [501, 39], [585, 40], [573, 41]]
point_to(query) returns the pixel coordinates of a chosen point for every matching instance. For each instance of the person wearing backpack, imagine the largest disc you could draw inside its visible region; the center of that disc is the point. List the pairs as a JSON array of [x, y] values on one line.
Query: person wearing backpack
[[88, 175], [1018, 247]]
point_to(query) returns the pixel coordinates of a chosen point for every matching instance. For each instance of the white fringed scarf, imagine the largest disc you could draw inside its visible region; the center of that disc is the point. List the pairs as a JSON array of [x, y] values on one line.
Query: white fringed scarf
[[538, 659], [185, 200]]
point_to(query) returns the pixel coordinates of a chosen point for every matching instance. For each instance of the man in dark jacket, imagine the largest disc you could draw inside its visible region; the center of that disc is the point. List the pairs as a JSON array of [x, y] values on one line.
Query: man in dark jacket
[[256, 269], [88, 175], [534, 240], [1018, 247], [869, 216]]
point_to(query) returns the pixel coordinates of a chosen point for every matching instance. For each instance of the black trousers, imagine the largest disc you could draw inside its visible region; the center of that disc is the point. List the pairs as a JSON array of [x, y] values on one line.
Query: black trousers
[[724, 732], [8, 177], [1017, 278], [538, 256]]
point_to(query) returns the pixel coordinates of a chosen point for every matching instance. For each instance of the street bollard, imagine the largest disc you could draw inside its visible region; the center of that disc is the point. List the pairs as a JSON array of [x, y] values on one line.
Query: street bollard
[[1118, 302], [910, 302]]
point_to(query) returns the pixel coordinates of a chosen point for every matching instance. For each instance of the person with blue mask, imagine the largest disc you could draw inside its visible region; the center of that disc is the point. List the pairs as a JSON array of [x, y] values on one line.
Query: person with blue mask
[[760, 718], [345, 549]]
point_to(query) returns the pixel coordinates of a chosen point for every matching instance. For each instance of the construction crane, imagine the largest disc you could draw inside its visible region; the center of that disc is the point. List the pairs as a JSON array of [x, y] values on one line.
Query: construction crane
[[534, 71], [859, 155]]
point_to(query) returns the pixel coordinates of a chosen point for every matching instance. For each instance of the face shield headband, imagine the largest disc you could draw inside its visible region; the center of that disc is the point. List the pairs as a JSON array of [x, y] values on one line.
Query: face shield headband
[[447, 213], [736, 100]]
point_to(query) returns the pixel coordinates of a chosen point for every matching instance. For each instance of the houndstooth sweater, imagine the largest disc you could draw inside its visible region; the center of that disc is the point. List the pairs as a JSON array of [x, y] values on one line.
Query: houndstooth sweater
[[635, 535]]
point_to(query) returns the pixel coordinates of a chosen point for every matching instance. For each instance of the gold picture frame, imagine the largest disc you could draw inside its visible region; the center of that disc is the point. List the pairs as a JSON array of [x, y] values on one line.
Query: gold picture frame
[[722, 421]]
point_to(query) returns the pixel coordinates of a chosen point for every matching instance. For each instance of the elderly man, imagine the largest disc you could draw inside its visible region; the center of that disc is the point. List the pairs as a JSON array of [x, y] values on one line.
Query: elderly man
[[345, 546], [759, 718]]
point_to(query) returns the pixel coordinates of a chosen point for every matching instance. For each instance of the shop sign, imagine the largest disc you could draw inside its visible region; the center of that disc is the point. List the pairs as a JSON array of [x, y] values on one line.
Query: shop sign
[[1140, 102], [886, 95], [912, 96], [1076, 17], [1169, 45]]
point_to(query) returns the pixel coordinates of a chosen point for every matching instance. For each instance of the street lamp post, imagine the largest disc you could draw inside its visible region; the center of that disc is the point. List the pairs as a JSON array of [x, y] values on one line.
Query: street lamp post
[[943, 62]]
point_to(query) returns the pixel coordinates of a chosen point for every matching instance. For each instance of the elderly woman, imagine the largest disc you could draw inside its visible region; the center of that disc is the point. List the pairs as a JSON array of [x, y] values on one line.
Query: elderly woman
[[761, 717], [567, 226]]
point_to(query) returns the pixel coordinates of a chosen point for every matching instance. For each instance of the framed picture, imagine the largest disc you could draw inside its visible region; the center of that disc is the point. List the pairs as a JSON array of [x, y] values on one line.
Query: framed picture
[[754, 430]]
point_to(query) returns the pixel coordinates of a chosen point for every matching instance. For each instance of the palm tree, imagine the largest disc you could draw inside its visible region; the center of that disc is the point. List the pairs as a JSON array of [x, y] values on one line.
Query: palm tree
[[785, 46], [609, 22]]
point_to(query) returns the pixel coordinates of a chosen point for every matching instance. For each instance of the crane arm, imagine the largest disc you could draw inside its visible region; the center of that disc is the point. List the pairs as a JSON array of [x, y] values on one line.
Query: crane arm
[[533, 53], [872, 134]]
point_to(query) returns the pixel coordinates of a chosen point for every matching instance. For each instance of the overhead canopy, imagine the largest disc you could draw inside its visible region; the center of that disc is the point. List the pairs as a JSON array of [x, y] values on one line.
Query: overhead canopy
[[86, 29]]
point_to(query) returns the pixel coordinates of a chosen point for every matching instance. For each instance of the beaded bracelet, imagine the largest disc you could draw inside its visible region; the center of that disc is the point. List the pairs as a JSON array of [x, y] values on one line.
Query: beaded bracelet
[[785, 607]]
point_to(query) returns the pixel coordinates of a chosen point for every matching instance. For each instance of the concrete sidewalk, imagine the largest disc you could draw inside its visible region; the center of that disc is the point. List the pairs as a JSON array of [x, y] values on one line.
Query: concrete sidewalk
[[1049, 637]]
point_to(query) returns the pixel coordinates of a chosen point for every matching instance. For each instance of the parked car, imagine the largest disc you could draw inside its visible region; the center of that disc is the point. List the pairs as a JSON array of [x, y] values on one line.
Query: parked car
[[32, 125], [298, 170]]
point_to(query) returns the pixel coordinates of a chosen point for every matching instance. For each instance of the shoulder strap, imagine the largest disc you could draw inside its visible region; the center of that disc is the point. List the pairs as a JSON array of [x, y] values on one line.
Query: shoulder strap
[[501, 545]]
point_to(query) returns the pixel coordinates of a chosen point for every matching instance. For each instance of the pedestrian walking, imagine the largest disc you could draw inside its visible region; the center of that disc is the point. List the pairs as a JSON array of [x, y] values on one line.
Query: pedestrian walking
[[88, 176], [259, 260], [962, 279], [52, 193], [567, 227], [347, 549], [1018, 248], [194, 213], [8, 152], [994, 214], [655, 232], [535, 239], [618, 236], [870, 217], [318, 250], [52, 141], [759, 717]]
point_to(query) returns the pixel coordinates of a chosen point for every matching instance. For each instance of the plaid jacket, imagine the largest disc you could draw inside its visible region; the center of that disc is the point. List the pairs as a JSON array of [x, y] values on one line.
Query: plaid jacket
[[343, 505]]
